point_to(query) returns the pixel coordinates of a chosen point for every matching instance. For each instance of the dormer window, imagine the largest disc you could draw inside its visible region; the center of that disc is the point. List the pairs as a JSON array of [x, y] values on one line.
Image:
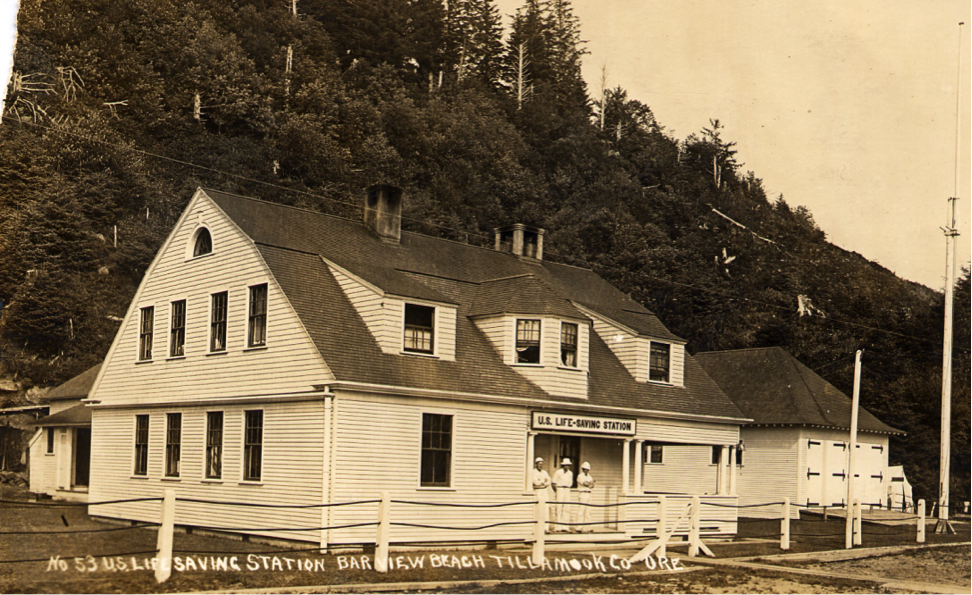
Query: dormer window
[[568, 344], [528, 341], [203, 244], [659, 362], [419, 329]]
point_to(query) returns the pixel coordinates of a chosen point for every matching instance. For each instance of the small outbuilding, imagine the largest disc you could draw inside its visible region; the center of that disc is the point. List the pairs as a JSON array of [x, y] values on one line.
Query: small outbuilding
[[797, 444], [60, 450]]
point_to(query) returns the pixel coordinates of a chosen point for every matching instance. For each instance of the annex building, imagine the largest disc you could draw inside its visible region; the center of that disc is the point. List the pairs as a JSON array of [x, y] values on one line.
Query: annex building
[[279, 356]]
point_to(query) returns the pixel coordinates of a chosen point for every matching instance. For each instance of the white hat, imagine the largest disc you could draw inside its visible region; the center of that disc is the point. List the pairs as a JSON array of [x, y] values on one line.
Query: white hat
[[566, 462], [538, 460], [586, 465]]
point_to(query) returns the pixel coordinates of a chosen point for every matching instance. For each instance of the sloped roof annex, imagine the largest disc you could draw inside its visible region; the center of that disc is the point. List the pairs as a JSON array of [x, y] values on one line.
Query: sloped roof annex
[[77, 387], [294, 244], [774, 388]]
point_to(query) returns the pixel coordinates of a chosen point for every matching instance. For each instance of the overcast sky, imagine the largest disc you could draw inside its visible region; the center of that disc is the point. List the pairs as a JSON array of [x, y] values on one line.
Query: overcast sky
[[847, 108]]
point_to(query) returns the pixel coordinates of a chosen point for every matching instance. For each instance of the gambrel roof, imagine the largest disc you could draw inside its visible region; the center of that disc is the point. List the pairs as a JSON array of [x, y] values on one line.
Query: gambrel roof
[[774, 388], [298, 245]]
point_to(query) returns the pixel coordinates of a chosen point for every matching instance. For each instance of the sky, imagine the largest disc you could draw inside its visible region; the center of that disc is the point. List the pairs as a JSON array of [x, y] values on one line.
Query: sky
[[846, 108]]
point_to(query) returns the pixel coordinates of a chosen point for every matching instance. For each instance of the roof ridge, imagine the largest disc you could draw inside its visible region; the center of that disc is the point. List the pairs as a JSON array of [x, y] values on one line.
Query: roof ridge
[[742, 349], [404, 231]]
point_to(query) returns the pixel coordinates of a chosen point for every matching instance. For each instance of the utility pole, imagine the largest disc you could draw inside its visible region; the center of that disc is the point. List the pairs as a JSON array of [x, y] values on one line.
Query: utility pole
[[943, 526], [851, 509]]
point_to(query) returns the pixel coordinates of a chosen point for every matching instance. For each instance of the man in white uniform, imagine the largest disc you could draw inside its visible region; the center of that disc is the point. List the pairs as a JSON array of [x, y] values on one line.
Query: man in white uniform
[[541, 481], [585, 485], [563, 479]]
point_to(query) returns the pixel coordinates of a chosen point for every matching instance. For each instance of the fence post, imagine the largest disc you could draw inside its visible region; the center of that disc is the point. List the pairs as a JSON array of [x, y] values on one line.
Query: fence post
[[384, 530], [785, 526], [694, 521], [540, 528], [857, 522], [662, 524], [163, 562], [921, 521]]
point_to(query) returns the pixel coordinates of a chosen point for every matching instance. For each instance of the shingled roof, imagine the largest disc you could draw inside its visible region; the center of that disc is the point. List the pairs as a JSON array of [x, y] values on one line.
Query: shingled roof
[[773, 388], [77, 387], [297, 246]]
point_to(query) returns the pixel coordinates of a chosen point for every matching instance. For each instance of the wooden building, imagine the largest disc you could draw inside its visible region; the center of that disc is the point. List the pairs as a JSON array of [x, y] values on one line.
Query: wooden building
[[279, 356], [60, 449], [797, 445]]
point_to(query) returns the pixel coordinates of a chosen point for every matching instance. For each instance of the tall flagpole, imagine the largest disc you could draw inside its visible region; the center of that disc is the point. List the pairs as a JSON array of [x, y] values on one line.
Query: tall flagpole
[[943, 526]]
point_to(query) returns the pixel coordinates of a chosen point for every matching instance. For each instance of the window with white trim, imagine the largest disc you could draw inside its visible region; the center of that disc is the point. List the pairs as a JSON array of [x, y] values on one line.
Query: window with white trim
[[173, 443], [214, 444], [659, 362], [568, 344], [145, 331], [141, 444], [217, 325], [527, 341], [257, 322], [419, 329], [654, 454], [436, 450], [253, 445], [203, 244], [177, 329]]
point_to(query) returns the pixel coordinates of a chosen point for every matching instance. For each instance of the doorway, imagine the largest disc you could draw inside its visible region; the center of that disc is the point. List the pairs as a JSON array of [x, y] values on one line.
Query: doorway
[[82, 456]]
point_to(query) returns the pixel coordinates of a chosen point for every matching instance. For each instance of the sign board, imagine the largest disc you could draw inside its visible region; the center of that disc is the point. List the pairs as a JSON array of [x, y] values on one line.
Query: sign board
[[589, 424]]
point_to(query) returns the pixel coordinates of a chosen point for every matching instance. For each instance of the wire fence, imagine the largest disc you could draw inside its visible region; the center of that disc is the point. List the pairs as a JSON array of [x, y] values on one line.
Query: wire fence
[[684, 516]]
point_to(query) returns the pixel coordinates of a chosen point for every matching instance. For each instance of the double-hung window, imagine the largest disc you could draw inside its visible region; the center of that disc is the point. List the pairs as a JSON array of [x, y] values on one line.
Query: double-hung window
[[654, 454], [436, 450], [145, 328], [419, 328], [177, 329], [217, 325], [659, 362], [568, 344], [214, 445], [50, 441], [528, 341], [141, 444], [257, 323], [252, 445], [173, 443]]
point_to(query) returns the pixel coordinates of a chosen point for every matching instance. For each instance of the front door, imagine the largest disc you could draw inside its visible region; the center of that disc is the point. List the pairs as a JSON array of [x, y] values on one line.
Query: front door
[[570, 449], [82, 456]]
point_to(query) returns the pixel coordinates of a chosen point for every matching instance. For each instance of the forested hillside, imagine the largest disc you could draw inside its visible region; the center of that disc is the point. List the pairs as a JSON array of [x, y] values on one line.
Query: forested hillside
[[119, 110]]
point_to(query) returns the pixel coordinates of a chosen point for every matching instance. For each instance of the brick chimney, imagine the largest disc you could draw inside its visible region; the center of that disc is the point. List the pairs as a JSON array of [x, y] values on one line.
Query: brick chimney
[[522, 240], [383, 212]]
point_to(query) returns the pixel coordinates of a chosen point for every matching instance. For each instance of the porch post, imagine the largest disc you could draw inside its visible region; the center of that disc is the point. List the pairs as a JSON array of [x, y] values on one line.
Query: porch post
[[626, 468], [721, 480], [531, 454], [639, 485], [732, 470]]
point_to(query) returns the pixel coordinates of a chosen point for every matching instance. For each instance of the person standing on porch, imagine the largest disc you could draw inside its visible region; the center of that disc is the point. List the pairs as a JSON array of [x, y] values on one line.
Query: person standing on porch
[[563, 479], [585, 485], [541, 481]]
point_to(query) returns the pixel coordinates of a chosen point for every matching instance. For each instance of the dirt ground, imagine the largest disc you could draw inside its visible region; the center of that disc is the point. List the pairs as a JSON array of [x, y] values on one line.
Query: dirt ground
[[949, 565], [57, 549]]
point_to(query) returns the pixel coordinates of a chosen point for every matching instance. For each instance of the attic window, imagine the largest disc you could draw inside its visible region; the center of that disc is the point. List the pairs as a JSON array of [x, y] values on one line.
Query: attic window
[[528, 341], [659, 362], [204, 243], [419, 328]]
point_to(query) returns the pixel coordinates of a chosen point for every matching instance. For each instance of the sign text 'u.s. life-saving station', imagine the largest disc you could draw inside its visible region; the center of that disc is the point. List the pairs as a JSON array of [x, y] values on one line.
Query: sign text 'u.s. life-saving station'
[[591, 424]]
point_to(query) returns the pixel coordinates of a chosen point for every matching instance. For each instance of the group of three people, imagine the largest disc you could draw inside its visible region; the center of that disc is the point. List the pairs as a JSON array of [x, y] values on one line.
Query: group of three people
[[562, 482]]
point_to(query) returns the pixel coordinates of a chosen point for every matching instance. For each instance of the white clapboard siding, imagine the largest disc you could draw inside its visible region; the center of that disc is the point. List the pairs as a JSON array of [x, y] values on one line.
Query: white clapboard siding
[[678, 365], [384, 316], [499, 333], [770, 471], [291, 470], [687, 432], [604, 455], [43, 466], [627, 347], [687, 469], [377, 447], [289, 363]]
